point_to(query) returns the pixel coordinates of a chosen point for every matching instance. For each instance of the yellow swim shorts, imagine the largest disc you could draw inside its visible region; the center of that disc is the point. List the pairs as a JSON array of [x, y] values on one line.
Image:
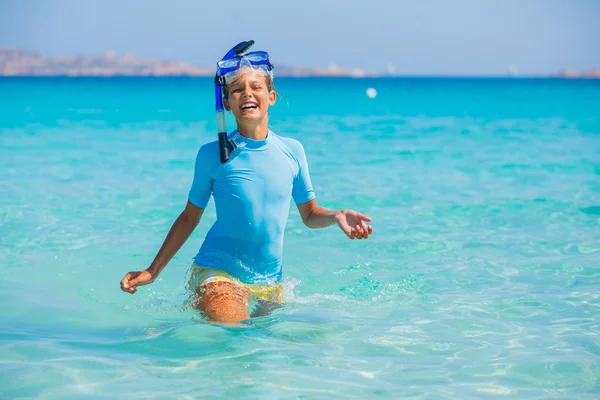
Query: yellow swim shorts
[[200, 276]]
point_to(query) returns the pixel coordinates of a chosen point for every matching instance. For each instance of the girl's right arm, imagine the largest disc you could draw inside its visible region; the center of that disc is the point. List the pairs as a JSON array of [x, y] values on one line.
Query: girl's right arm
[[181, 230]]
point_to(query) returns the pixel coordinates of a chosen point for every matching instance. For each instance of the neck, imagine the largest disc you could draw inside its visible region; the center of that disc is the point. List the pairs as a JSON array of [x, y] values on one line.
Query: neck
[[256, 131]]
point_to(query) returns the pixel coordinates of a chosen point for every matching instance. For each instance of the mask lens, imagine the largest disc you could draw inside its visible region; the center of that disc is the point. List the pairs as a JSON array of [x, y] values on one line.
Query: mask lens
[[245, 62], [229, 63], [233, 75], [257, 57]]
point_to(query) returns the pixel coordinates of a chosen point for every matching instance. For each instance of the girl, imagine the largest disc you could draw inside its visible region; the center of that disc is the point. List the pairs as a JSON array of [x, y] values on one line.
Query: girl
[[252, 175]]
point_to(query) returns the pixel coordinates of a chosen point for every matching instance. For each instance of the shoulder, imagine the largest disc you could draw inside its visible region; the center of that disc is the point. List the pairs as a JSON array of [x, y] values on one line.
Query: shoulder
[[209, 151], [208, 156], [291, 145]]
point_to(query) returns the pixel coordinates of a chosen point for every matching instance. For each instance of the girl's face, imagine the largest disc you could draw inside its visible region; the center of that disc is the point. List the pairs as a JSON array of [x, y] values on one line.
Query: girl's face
[[249, 97]]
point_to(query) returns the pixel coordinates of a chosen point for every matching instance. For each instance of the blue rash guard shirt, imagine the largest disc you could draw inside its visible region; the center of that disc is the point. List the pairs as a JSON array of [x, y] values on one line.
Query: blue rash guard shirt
[[252, 193]]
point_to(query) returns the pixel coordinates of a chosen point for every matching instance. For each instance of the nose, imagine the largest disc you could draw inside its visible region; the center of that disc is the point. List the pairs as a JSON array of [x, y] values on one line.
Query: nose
[[246, 92]]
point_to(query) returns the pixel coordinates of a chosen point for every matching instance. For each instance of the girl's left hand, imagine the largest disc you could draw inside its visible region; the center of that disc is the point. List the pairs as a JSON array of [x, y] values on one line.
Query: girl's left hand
[[354, 224]]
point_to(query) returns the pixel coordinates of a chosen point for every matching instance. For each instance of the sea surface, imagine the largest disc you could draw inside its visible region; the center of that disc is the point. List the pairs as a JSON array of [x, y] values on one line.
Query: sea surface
[[481, 279]]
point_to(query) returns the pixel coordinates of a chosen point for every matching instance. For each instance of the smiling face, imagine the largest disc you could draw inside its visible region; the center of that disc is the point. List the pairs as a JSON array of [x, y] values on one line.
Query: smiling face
[[249, 97]]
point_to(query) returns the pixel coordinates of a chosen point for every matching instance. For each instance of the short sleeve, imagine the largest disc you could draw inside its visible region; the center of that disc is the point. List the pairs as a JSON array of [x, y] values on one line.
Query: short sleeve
[[203, 181], [302, 190]]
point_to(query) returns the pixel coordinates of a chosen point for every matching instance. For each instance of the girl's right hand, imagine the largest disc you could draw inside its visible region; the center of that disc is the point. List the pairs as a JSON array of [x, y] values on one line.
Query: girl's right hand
[[133, 279]]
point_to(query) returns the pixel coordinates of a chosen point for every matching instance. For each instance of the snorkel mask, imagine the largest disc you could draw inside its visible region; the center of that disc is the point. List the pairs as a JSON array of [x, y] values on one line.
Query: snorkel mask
[[228, 70]]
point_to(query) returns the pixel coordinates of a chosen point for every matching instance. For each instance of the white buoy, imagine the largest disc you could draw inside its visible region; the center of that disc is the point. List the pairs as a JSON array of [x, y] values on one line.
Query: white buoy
[[371, 93]]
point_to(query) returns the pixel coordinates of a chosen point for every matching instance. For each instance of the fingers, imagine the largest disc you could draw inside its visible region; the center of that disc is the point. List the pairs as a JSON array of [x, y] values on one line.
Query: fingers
[[127, 284], [356, 232], [363, 217], [361, 231], [128, 288], [349, 232], [365, 229], [126, 278], [136, 281]]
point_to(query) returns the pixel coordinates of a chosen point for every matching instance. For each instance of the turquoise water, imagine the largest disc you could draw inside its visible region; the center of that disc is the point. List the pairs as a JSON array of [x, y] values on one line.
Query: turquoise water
[[481, 280]]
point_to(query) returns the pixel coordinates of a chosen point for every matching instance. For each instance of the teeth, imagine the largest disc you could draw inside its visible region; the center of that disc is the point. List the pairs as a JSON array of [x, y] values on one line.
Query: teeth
[[246, 106]]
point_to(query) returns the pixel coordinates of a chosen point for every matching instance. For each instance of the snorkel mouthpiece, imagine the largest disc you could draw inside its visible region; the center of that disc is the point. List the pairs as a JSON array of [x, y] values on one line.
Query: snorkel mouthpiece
[[227, 69]]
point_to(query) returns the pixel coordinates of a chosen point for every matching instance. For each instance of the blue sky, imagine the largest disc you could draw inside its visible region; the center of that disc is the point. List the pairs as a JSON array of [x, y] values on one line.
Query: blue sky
[[425, 37]]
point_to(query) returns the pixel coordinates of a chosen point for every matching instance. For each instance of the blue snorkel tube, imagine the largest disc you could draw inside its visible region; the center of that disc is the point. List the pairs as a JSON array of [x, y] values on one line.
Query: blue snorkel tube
[[225, 145]]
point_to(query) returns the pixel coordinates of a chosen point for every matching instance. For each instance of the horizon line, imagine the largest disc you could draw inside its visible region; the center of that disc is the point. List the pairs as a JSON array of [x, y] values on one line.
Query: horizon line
[[331, 71]]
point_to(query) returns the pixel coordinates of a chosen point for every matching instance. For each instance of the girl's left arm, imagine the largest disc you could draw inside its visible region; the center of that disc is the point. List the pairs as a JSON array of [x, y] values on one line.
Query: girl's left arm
[[352, 223]]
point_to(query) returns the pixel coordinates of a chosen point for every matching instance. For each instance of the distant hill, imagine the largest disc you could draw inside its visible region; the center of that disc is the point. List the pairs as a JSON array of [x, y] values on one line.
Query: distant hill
[[15, 62], [569, 73]]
